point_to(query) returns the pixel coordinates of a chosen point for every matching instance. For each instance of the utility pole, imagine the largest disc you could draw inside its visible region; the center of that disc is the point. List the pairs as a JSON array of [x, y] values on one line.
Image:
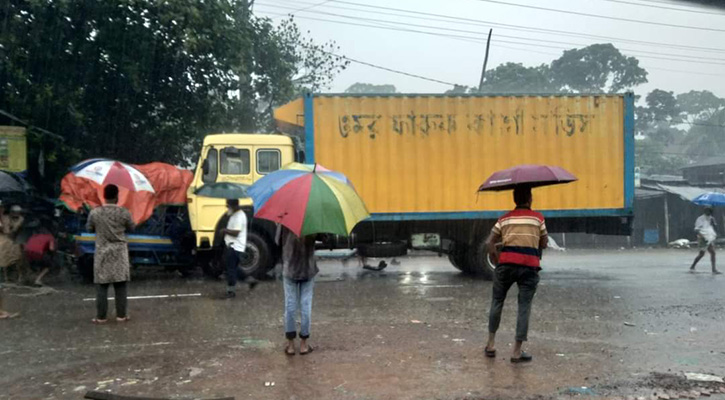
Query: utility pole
[[485, 60]]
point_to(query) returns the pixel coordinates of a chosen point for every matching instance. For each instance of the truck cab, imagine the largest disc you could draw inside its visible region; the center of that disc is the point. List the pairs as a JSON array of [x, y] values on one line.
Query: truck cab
[[239, 158]]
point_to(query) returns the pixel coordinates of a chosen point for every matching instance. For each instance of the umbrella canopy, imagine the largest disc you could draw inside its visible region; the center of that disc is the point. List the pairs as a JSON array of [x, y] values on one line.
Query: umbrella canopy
[[11, 183], [710, 199], [107, 172], [223, 190], [527, 175], [308, 199]]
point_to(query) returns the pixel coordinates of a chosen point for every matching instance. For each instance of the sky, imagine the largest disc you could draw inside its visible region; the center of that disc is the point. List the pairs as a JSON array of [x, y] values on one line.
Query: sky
[[451, 46]]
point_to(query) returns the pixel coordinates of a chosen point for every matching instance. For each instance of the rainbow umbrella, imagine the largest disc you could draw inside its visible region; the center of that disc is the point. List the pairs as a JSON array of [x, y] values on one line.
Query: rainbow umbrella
[[308, 199]]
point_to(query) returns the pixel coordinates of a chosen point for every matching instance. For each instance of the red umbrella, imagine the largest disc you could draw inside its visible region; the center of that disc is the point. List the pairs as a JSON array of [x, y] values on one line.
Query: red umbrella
[[527, 175]]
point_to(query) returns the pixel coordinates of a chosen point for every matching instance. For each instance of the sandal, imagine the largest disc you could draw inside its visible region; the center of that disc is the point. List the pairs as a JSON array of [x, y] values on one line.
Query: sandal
[[124, 319], [310, 349], [8, 315], [490, 353], [290, 350], [99, 321], [524, 357]]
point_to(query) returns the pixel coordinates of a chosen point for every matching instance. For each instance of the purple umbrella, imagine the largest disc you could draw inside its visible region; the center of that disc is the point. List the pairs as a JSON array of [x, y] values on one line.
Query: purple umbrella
[[527, 175]]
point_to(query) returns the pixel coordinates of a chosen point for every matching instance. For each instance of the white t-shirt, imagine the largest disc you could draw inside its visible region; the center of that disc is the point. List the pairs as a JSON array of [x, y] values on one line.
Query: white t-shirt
[[704, 227], [237, 222]]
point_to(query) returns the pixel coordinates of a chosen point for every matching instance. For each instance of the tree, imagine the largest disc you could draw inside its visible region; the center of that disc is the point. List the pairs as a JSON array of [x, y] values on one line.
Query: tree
[[516, 78], [369, 88], [597, 68], [651, 156], [699, 105], [142, 81], [707, 138]]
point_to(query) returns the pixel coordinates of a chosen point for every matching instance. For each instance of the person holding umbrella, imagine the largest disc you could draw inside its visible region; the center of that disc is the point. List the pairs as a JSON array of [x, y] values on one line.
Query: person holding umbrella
[[111, 265], [515, 244], [305, 200], [706, 236]]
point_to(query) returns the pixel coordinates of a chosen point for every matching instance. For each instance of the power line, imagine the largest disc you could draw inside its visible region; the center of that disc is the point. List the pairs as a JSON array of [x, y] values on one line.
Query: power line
[[699, 28], [667, 8], [385, 68], [310, 7], [499, 35], [488, 24], [469, 21], [480, 39]]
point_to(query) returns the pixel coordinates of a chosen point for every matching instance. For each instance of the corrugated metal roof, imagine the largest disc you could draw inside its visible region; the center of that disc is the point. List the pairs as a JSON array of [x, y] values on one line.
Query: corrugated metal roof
[[642, 194], [708, 162], [688, 192]]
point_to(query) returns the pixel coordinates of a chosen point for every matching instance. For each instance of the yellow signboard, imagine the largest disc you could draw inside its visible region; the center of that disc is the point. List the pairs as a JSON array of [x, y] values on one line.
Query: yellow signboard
[[13, 149]]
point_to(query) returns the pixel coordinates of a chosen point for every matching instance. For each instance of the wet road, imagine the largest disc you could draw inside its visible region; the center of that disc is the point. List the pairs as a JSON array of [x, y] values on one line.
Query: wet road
[[416, 330]]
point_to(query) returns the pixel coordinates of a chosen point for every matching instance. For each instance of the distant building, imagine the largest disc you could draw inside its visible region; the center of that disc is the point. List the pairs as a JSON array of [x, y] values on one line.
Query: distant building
[[710, 171]]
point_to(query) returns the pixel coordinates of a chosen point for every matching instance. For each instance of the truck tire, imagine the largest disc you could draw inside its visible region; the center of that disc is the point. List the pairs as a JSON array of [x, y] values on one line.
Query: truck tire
[[458, 257], [258, 259], [383, 249], [85, 267], [477, 261], [211, 263]]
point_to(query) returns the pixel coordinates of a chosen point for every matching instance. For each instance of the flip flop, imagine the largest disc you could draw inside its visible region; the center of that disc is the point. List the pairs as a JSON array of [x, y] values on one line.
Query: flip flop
[[99, 321], [124, 319], [287, 351], [525, 357], [490, 353], [310, 349], [10, 315]]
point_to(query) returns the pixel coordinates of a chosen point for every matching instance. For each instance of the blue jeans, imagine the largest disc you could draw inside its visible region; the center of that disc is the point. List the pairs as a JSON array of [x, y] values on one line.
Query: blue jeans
[[297, 296]]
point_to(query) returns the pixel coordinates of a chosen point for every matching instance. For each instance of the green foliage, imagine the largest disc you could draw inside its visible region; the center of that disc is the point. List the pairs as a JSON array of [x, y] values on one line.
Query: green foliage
[[369, 88], [140, 80], [707, 138], [597, 68], [516, 78], [651, 156], [593, 69]]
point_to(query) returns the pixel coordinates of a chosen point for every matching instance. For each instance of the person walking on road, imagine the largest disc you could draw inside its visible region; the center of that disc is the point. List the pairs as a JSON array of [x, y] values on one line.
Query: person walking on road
[[111, 264], [515, 243], [706, 236], [298, 270], [235, 240]]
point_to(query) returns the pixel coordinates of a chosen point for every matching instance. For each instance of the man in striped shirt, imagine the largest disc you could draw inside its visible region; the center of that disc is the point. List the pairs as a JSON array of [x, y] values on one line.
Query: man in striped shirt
[[515, 243]]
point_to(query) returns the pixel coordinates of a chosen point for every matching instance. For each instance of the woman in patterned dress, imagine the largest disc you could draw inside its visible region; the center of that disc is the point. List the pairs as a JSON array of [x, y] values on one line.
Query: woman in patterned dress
[[110, 222]]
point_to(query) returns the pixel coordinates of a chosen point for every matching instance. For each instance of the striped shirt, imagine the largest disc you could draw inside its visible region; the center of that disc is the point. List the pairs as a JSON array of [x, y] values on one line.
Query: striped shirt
[[520, 231]]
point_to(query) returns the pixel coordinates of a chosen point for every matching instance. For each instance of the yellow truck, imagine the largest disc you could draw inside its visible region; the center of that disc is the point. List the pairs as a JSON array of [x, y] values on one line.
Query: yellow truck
[[417, 161]]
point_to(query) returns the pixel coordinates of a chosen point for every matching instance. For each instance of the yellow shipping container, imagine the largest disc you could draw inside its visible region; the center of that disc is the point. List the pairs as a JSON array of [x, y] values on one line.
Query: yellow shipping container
[[13, 149], [424, 156]]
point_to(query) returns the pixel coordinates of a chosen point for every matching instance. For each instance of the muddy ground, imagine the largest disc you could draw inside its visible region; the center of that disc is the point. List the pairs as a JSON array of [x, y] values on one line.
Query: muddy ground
[[604, 324]]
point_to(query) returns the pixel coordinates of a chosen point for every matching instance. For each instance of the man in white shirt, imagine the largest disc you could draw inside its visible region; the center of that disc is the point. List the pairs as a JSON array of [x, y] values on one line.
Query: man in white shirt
[[706, 235], [235, 241]]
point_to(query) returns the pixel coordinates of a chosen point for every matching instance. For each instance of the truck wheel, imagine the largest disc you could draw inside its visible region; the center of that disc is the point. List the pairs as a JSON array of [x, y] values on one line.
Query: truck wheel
[[211, 263], [477, 261], [458, 257], [85, 267], [383, 249], [258, 258]]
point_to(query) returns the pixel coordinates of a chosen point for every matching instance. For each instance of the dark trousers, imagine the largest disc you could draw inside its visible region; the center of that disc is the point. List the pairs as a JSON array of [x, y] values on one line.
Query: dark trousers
[[527, 279], [234, 273], [121, 295]]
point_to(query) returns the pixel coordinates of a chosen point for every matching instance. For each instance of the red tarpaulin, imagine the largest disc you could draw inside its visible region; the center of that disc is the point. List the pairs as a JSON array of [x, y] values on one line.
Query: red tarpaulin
[[170, 186]]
